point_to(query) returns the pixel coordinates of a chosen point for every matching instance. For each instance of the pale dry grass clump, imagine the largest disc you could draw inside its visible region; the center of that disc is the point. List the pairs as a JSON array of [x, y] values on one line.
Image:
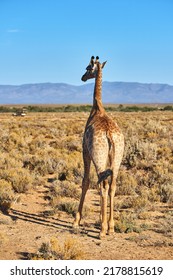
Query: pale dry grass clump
[[7, 195], [43, 162], [56, 249], [127, 183], [127, 222], [66, 189], [61, 204], [21, 180]]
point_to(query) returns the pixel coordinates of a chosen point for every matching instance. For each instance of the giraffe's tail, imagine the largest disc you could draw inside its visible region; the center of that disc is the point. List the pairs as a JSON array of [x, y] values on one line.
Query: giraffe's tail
[[104, 175]]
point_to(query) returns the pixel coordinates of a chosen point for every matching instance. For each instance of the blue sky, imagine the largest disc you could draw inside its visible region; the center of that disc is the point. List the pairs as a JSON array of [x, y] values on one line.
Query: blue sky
[[52, 40]]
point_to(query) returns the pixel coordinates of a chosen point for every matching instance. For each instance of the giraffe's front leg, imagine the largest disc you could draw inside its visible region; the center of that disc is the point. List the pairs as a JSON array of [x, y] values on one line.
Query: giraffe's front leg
[[103, 214]]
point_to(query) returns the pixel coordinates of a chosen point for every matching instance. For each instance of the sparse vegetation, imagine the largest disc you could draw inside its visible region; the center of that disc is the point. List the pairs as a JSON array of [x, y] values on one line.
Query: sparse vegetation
[[49, 145], [39, 145], [55, 249], [126, 222], [6, 195]]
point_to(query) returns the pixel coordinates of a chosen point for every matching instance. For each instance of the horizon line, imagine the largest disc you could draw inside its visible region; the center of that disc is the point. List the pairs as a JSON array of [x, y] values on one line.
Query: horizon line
[[129, 82]]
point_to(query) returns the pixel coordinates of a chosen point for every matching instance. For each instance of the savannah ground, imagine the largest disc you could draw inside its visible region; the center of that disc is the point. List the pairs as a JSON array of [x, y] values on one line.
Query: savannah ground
[[41, 172]]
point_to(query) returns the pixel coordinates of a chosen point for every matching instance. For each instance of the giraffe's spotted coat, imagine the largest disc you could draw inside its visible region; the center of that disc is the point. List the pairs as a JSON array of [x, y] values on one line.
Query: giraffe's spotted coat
[[103, 144]]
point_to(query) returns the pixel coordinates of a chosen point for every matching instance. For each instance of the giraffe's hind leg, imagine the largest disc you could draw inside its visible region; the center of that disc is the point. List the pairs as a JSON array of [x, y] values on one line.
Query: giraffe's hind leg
[[85, 186], [100, 162], [116, 165], [111, 213], [104, 188]]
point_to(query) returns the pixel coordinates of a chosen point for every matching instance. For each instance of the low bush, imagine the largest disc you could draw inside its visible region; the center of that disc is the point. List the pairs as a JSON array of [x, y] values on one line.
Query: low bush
[[126, 222], [7, 195], [69, 249], [66, 189], [19, 178]]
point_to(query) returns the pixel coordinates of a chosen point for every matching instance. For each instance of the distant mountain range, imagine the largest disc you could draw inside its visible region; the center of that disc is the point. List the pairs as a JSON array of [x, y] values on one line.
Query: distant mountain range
[[61, 93]]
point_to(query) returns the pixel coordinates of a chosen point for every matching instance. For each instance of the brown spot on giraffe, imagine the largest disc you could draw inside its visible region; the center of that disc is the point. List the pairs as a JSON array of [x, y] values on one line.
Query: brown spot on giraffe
[[103, 144]]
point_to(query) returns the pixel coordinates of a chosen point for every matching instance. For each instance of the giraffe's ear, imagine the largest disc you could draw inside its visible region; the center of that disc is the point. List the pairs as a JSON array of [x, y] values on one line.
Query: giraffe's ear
[[103, 64]]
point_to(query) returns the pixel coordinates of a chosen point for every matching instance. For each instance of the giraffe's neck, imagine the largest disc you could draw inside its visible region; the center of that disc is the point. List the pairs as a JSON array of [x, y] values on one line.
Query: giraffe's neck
[[97, 98]]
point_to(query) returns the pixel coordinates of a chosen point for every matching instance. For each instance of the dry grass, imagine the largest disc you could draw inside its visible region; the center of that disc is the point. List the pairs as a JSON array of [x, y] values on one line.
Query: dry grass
[[69, 249], [50, 144], [6, 195]]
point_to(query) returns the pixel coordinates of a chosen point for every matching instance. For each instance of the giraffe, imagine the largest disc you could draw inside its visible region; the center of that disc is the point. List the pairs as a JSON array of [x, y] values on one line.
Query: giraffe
[[103, 144]]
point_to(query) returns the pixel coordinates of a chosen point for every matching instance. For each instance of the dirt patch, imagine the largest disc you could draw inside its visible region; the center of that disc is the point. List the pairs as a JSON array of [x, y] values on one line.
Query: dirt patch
[[26, 227]]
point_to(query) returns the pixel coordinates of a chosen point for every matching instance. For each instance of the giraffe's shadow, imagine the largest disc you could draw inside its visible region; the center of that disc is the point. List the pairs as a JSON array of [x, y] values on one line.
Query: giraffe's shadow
[[39, 219], [53, 222], [61, 225]]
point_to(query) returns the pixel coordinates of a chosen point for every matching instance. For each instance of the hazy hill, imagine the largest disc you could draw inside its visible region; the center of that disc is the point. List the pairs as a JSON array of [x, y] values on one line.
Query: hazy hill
[[60, 93]]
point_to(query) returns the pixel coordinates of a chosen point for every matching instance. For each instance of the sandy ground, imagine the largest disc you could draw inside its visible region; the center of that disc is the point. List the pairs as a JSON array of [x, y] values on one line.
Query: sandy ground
[[26, 227]]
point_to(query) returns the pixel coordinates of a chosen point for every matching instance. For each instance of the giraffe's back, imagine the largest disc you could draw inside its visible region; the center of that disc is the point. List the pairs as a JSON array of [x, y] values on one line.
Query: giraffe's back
[[103, 139]]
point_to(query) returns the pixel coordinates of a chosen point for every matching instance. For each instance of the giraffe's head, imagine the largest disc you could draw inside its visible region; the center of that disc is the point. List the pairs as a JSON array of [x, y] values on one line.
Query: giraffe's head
[[92, 69]]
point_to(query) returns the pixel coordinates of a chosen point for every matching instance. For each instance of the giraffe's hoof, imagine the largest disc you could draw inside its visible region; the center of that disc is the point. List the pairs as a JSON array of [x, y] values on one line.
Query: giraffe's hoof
[[102, 235], [75, 228], [111, 232], [75, 224]]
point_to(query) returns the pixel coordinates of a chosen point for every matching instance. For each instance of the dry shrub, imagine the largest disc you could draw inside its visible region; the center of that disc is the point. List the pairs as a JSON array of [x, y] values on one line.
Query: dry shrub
[[69, 249], [165, 225], [166, 193], [37, 143], [164, 151], [66, 189], [7, 195], [126, 183], [131, 153], [126, 222], [74, 165], [11, 160], [70, 207], [153, 195], [43, 162], [73, 143], [19, 178], [139, 203]]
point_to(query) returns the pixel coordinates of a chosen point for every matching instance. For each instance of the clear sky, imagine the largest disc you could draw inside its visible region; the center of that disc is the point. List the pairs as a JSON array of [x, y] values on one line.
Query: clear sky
[[53, 40]]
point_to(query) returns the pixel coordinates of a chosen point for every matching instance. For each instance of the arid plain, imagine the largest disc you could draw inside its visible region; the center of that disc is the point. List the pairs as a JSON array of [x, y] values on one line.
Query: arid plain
[[41, 172]]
